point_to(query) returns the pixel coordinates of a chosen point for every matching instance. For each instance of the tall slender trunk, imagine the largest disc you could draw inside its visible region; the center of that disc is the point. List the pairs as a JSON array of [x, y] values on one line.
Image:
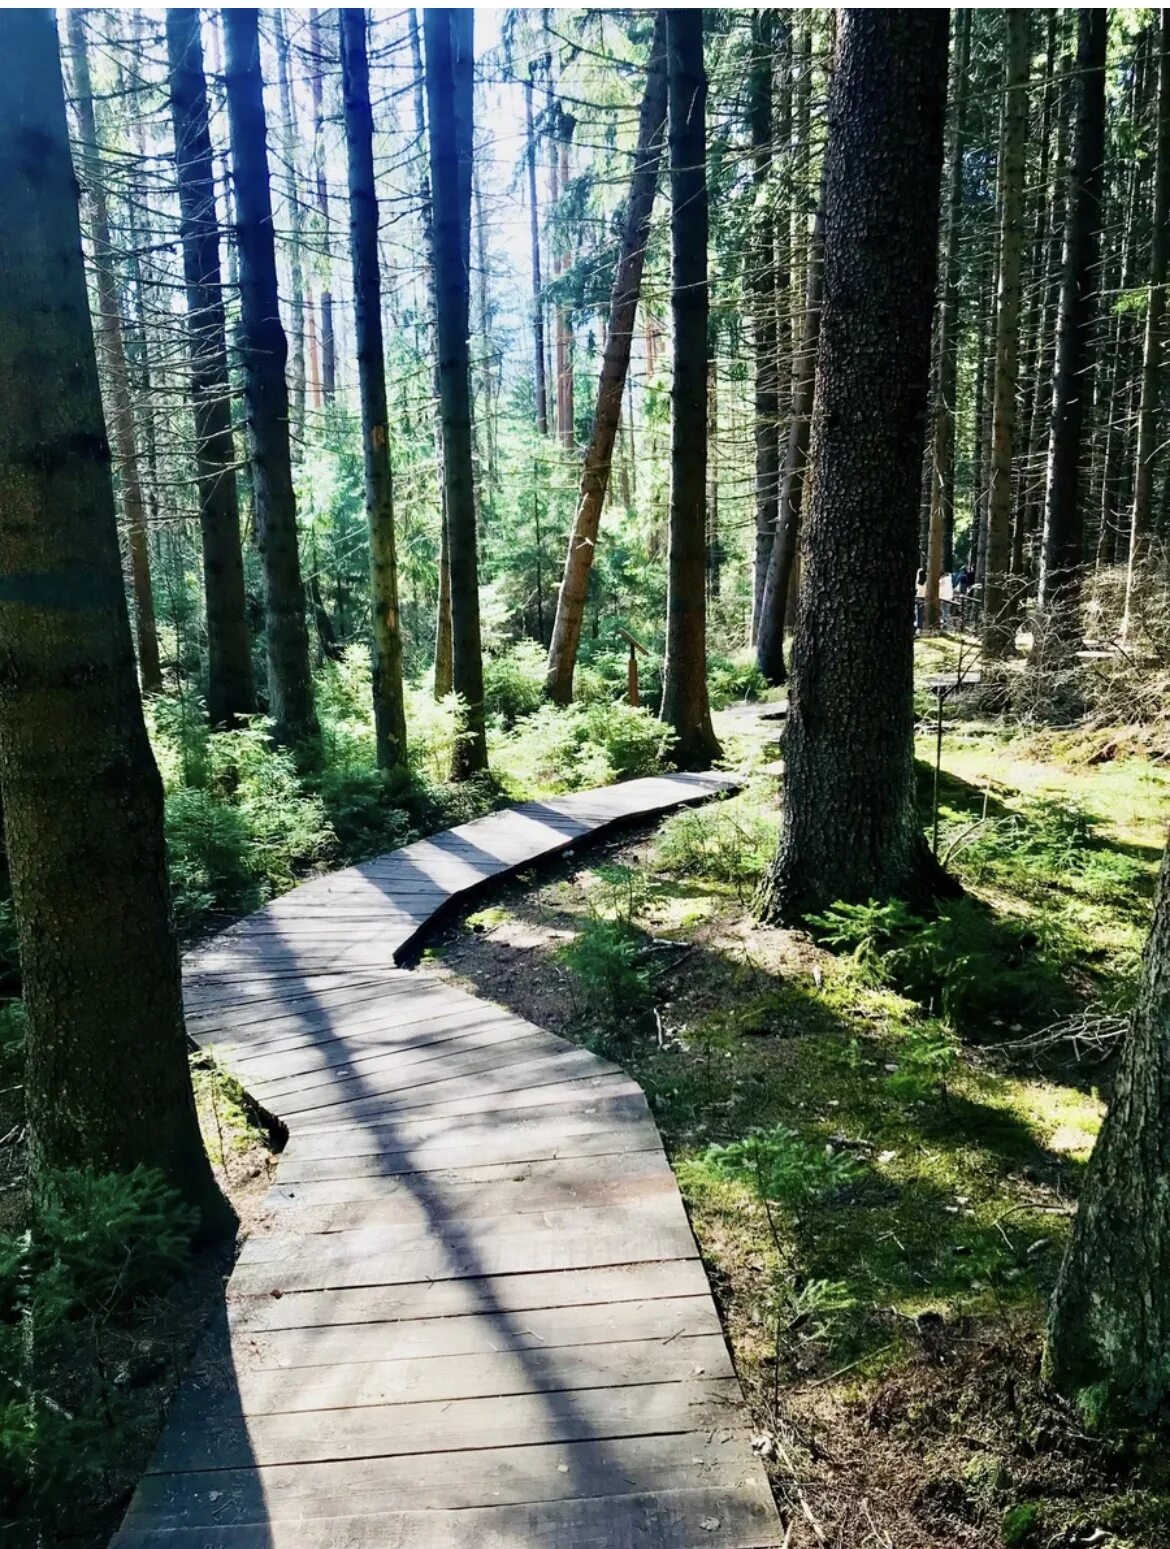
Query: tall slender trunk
[[540, 386], [448, 35], [850, 826], [328, 342], [783, 556], [998, 600], [566, 410], [761, 281], [107, 1084], [265, 351], [942, 484], [289, 145], [113, 345], [684, 674], [1061, 558], [1151, 384], [231, 693], [389, 706], [623, 306], [714, 553]]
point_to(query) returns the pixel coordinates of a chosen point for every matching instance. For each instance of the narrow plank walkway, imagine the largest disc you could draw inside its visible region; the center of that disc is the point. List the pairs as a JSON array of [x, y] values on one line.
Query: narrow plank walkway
[[478, 1318]]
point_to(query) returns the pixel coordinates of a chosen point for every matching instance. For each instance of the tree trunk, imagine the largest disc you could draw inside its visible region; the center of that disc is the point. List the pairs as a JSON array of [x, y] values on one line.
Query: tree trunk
[[623, 306], [121, 408], [289, 143], [328, 343], [761, 285], [684, 672], [1062, 557], [942, 484], [231, 693], [782, 559], [265, 351], [540, 386], [1148, 407], [389, 706], [107, 1084], [566, 411], [999, 614], [1109, 1326], [850, 826], [448, 35]]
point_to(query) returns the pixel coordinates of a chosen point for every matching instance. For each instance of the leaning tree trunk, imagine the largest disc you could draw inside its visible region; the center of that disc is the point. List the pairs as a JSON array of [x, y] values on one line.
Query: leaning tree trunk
[[999, 614], [684, 672], [114, 352], [231, 693], [389, 706], [1062, 558], [448, 34], [265, 351], [1147, 439], [623, 306], [107, 1085], [1109, 1326], [850, 826], [761, 286], [782, 559]]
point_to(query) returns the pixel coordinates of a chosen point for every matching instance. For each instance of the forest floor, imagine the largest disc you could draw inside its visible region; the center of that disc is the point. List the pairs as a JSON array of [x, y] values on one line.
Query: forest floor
[[880, 1183]]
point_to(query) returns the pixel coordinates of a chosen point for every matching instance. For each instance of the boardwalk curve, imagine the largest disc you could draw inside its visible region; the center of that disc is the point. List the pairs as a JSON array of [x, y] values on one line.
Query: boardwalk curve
[[477, 1318]]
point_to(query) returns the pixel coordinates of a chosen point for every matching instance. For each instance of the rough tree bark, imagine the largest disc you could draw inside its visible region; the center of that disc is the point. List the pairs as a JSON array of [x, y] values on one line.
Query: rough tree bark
[[540, 385], [265, 351], [231, 692], [761, 286], [107, 1084], [113, 346], [999, 616], [296, 270], [328, 341], [684, 673], [448, 34], [1061, 557], [1151, 385], [850, 828], [1109, 1326], [623, 305], [389, 705]]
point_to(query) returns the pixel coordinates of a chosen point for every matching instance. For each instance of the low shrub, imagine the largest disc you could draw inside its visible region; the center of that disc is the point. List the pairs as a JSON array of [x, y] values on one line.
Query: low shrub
[[781, 1167], [583, 745], [513, 681], [731, 681], [729, 841]]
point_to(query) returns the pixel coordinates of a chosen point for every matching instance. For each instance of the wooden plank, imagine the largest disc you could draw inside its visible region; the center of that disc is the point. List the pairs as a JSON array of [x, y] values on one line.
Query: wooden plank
[[500, 1476], [736, 1517]]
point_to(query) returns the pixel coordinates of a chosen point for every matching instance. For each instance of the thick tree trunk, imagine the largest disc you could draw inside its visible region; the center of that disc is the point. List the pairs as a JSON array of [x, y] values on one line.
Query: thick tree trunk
[[684, 673], [1151, 385], [1109, 1327], [448, 35], [1062, 558], [540, 386], [121, 408], [231, 693], [942, 483], [265, 351], [623, 306], [389, 706], [107, 1085], [761, 285], [850, 826], [999, 614], [782, 559]]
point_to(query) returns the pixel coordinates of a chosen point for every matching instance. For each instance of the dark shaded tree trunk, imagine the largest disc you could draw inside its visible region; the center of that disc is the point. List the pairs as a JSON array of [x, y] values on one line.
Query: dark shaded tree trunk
[[231, 692], [1109, 1325], [265, 351], [107, 1084], [782, 558], [850, 826], [448, 36], [623, 306], [540, 385], [761, 284], [684, 674], [328, 340], [389, 706], [999, 613], [1062, 556], [1151, 384], [113, 344]]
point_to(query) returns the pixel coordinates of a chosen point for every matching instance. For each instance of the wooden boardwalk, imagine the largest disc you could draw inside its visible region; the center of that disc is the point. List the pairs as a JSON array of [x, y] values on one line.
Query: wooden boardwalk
[[477, 1318]]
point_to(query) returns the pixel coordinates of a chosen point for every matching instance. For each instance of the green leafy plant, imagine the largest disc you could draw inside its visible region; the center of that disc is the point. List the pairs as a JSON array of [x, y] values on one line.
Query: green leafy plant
[[604, 960], [728, 841], [782, 1167]]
